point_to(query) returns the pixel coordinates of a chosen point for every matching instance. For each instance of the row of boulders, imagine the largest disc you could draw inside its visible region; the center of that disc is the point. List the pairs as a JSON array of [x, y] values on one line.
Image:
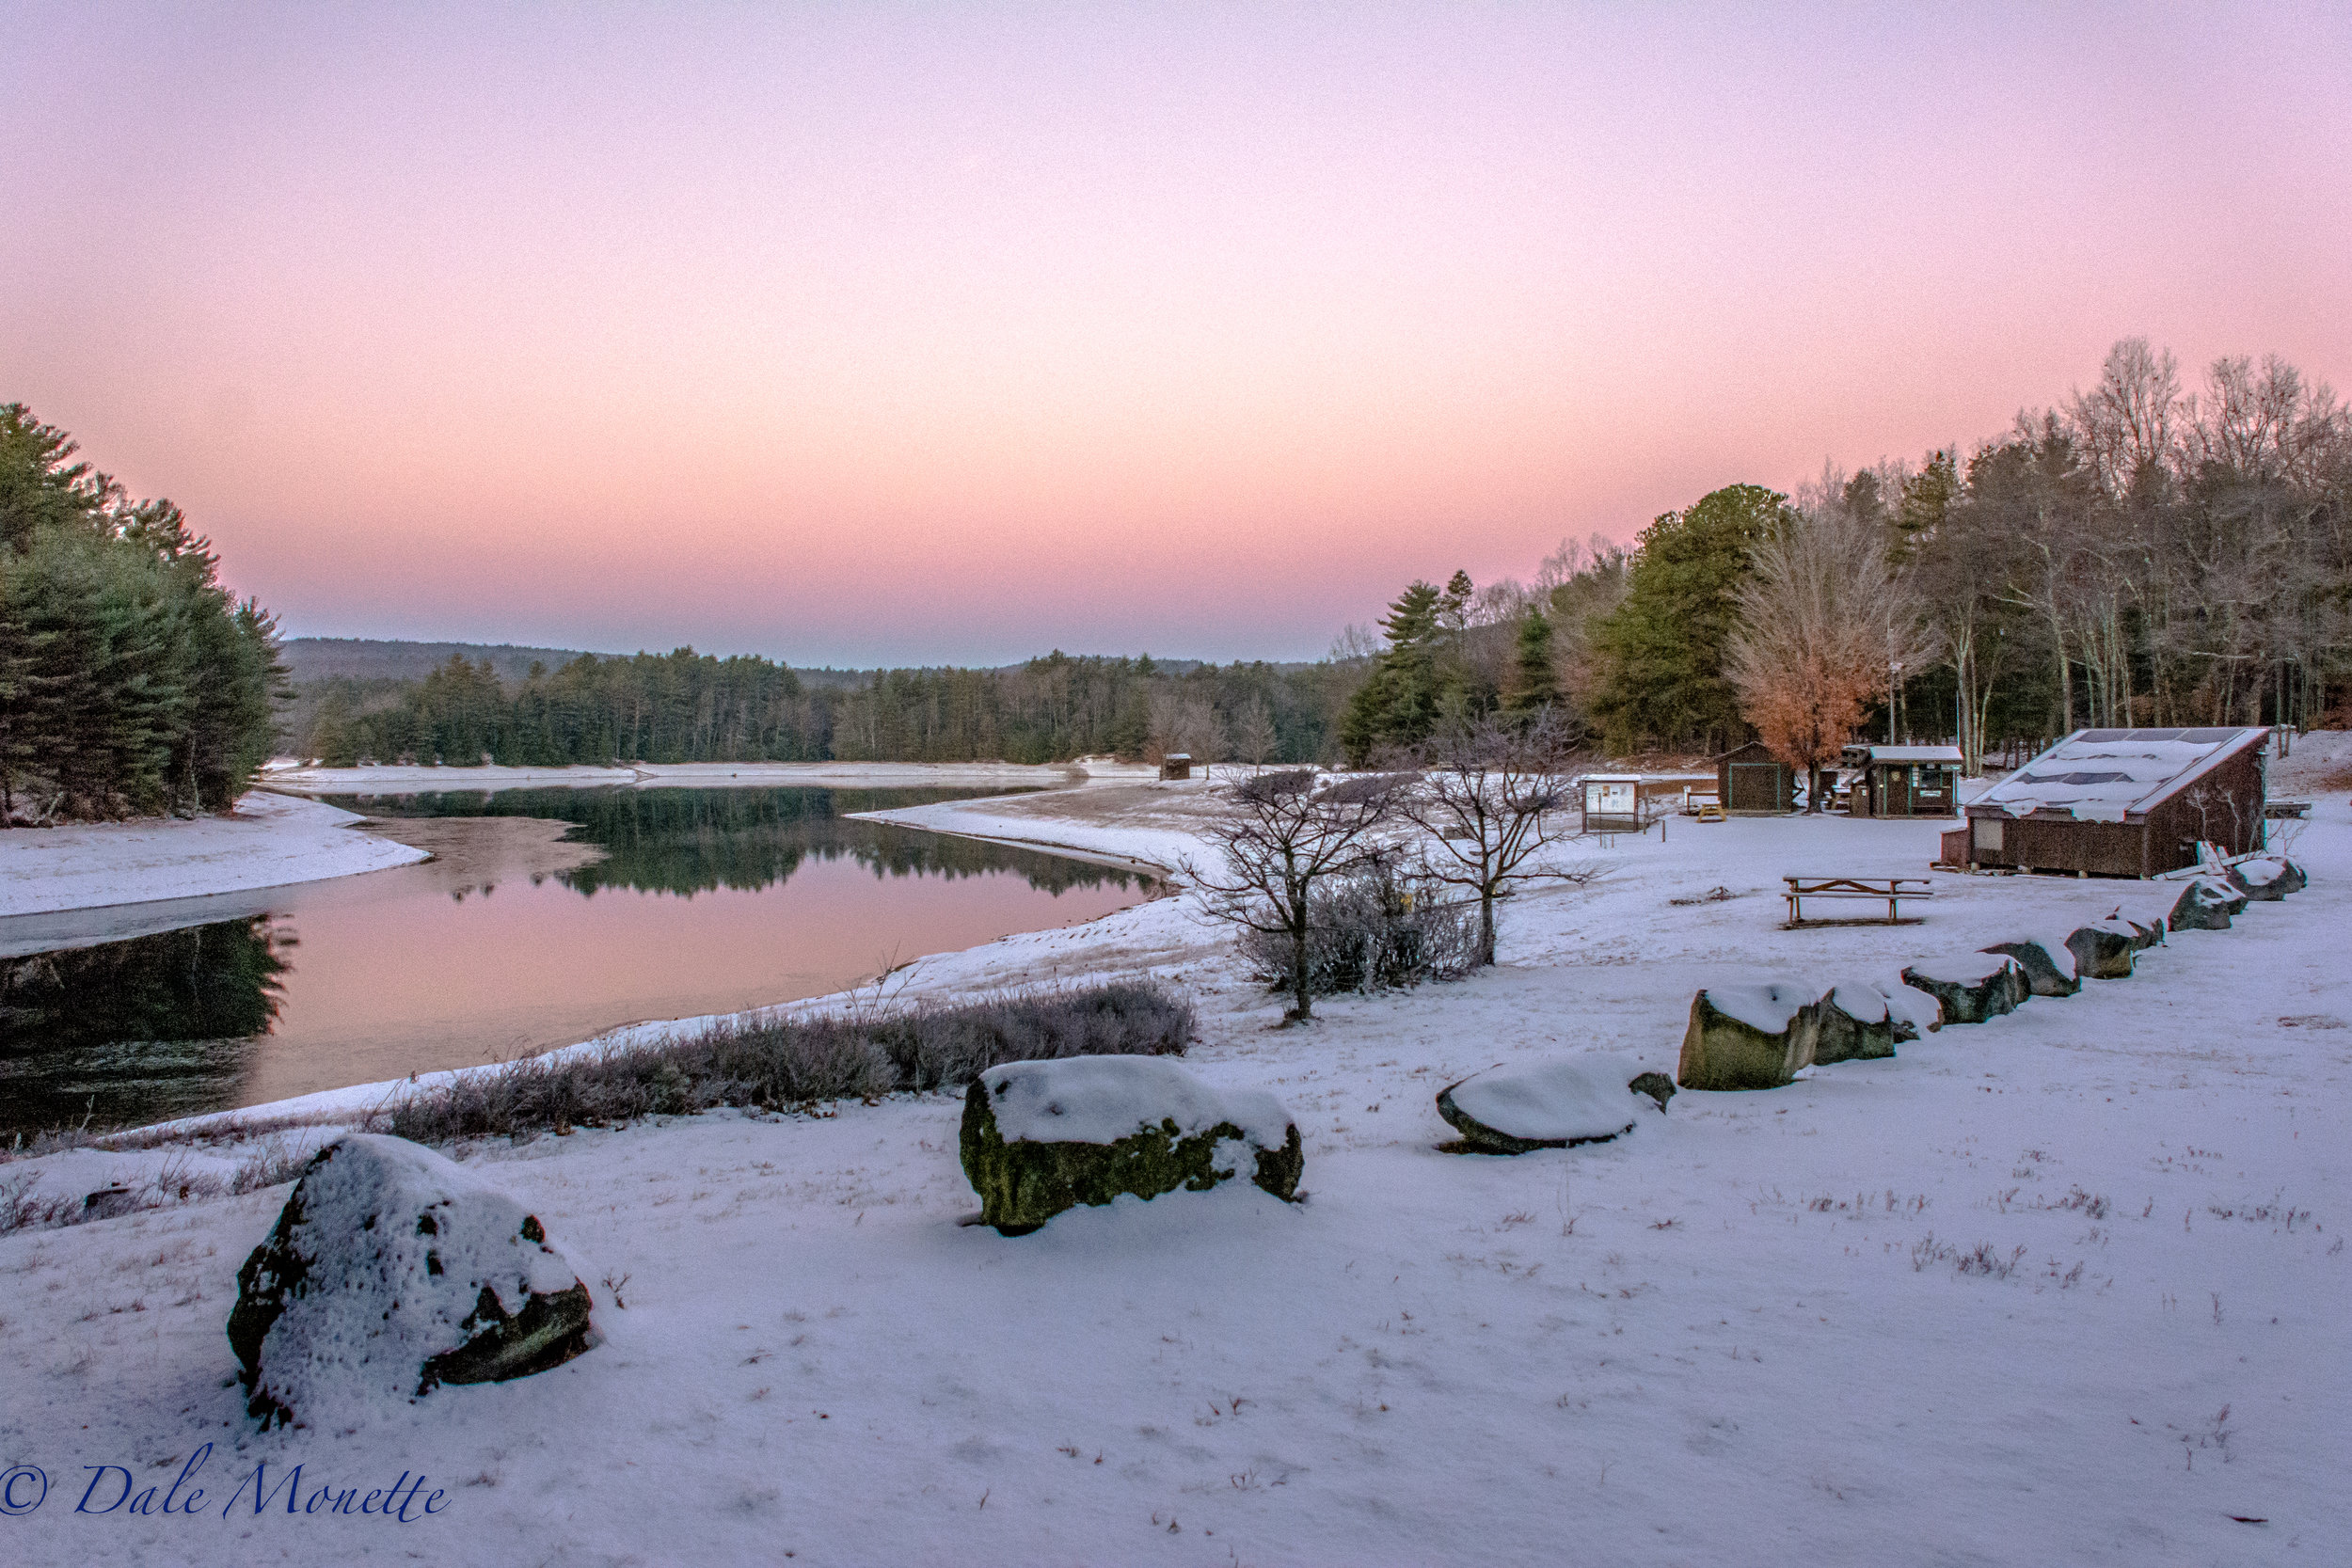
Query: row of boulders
[[1760, 1035], [393, 1269]]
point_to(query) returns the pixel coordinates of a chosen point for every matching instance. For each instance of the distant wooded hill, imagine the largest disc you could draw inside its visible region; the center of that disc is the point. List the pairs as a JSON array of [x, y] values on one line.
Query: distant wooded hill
[[366, 659], [364, 699]]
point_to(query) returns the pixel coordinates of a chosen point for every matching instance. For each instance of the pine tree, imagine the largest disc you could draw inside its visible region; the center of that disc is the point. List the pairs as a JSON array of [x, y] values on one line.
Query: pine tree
[[1533, 686]]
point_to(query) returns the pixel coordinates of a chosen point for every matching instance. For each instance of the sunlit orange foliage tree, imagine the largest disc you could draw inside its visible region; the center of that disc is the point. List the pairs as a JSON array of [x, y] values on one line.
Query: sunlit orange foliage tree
[[1820, 621]]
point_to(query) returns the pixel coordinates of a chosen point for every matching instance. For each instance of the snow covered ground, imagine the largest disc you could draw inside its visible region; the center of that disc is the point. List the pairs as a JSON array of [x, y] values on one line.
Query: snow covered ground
[[2064, 1287], [268, 841]]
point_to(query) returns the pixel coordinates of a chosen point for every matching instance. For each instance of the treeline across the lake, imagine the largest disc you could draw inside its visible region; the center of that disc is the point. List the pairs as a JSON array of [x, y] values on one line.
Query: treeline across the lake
[[685, 707], [132, 683]]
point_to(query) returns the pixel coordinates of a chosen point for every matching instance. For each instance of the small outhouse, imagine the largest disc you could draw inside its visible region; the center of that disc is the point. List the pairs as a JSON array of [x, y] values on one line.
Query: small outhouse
[[1907, 781], [1176, 764], [1750, 781], [1612, 803]]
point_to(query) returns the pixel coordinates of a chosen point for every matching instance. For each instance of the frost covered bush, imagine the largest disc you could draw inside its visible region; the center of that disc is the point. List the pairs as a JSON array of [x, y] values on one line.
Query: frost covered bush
[[1374, 931], [772, 1063]]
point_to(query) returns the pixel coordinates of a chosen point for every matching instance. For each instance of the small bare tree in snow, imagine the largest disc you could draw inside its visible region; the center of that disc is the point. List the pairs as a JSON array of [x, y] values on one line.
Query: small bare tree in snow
[[1279, 838], [1821, 623], [1494, 793], [1254, 738]]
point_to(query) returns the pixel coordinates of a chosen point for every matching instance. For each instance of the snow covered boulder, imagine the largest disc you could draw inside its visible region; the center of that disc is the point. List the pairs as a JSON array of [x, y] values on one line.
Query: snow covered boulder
[[1910, 1012], [1554, 1104], [2268, 878], [1853, 1023], [2105, 951], [1970, 988], [1040, 1138], [2205, 904], [2147, 929], [391, 1269], [2048, 963], [1749, 1035]]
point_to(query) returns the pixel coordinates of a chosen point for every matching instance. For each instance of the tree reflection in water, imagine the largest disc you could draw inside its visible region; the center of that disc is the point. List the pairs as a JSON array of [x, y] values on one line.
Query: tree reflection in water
[[152, 1027], [689, 841], [158, 1026]]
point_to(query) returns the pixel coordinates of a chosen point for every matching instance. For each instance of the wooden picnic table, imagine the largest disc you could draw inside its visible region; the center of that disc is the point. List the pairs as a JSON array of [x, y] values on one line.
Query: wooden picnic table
[[1893, 888]]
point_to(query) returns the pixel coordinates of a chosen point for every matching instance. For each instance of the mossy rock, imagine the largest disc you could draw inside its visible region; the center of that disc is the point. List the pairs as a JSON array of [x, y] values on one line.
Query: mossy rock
[[2043, 975], [2205, 904], [1966, 998], [2105, 951], [1853, 1023], [1721, 1051], [1024, 1182]]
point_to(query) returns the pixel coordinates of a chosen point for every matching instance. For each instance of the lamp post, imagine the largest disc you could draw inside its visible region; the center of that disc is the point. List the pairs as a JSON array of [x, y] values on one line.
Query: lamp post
[[1893, 670]]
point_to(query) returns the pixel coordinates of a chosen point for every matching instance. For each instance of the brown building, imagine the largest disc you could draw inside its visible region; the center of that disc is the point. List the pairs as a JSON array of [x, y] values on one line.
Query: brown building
[[1749, 781], [1906, 780], [2120, 804]]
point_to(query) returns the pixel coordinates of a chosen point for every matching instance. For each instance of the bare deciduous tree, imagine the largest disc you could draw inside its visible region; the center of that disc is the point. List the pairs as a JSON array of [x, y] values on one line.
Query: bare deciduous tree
[[1254, 737], [1821, 623], [1279, 838], [1487, 803], [1187, 725]]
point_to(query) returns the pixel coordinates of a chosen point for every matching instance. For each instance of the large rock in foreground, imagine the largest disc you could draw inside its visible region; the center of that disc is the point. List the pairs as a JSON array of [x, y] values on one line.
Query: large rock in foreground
[[2105, 951], [393, 1269], [1040, 1138], [2048, 963], [1522, 1107], [1853, 1023], [1748, 1035], [1970, 988], [2205, 904], [2268, 878]]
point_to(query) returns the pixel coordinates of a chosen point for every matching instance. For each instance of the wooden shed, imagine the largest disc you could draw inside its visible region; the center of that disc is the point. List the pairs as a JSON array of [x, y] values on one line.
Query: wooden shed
[[1752, 781], [1176, 764], [1612, 803], [2120, 804], [1906, 780]]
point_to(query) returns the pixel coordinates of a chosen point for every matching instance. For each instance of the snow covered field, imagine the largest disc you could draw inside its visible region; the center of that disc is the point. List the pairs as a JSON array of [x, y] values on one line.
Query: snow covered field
[[2064, 1287]]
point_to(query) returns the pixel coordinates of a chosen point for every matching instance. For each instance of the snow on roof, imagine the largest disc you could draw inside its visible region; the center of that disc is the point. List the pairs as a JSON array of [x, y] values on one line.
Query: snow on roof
[[2106, 775], [1916, 754], [1612, 777]]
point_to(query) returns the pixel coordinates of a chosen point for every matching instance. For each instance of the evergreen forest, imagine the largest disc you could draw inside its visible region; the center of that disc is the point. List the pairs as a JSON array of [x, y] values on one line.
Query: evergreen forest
[[132, 683]]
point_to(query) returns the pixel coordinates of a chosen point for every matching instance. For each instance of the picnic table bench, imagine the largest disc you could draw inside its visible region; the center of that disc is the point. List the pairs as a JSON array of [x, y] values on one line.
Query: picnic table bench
[[1893, 888]]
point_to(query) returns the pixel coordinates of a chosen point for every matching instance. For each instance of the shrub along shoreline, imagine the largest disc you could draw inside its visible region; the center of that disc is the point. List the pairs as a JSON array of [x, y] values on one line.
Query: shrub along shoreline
[[781, 1064]]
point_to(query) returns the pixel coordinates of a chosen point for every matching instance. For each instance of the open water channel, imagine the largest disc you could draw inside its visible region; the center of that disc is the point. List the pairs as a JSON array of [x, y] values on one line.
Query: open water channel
[[548, 917]]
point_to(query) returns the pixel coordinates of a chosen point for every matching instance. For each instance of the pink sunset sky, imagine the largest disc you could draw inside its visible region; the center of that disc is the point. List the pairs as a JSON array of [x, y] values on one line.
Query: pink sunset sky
[[865, 334]]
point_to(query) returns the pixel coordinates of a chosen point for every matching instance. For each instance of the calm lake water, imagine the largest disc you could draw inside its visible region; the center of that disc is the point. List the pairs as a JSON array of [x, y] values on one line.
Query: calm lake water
[[704, 900]]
